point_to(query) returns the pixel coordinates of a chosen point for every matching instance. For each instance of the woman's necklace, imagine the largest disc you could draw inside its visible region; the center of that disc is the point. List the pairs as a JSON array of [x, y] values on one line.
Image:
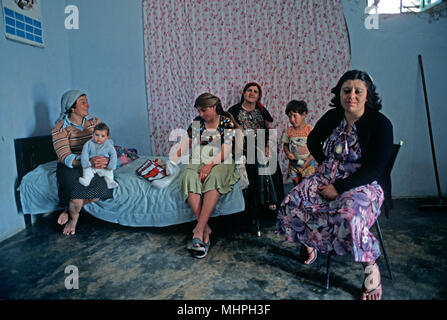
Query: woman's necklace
[[212, 129]]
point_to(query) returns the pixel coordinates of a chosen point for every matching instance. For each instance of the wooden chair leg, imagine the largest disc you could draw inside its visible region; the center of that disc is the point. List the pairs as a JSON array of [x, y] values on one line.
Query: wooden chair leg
[[379, 231]]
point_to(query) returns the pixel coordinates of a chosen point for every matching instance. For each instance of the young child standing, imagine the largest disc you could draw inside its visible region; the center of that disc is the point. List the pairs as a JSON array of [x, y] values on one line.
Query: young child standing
[[301, 162], [99, 145]]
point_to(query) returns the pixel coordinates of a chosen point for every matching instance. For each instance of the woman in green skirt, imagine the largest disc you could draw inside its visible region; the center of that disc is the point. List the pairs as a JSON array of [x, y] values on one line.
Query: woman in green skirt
[[211, 170]]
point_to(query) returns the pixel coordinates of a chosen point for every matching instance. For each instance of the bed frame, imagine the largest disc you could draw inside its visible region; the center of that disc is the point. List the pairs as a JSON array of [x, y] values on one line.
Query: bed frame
[[31, 152]]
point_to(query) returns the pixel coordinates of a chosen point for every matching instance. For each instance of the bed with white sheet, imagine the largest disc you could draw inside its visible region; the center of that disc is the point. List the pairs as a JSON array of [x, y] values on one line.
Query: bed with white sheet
[[135, 202]]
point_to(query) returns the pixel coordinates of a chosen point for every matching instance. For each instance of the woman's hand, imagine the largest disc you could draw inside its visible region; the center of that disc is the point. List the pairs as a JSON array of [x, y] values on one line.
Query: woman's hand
[[99, 162], [328, 191], [205, 171]]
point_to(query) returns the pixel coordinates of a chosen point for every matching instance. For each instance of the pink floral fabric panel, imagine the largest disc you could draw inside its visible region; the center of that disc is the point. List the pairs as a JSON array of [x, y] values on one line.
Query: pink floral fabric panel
[[293, 49]]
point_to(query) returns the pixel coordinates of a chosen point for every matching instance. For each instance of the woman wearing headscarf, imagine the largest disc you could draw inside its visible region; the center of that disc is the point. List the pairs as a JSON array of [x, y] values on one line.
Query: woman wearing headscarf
[[266, 187], [73, 129]]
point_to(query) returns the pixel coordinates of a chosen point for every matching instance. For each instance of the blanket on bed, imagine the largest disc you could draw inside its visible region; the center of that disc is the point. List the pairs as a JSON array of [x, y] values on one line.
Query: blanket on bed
[[135, 202]]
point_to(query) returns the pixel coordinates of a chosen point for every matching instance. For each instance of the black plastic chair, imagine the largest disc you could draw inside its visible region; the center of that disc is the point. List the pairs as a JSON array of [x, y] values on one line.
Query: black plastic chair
[[389, 167]]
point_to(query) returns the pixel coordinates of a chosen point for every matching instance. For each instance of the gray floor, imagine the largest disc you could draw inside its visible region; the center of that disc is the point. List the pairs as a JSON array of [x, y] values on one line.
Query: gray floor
[[117, 262]]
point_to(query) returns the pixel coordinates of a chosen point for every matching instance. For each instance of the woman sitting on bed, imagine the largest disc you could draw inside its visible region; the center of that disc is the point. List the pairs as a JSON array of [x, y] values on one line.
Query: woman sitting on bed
[[72, 130], [207, 176]]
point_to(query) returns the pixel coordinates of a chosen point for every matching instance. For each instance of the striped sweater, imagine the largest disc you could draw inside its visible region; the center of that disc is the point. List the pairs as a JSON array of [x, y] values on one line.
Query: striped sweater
[[70, 140]]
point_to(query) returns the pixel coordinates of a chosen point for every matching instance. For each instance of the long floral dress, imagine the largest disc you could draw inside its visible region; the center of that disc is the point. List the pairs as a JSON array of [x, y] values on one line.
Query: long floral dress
[[341, 225]]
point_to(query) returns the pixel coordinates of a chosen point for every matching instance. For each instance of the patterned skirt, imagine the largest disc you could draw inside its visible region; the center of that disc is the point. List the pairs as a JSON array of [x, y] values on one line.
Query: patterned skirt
[[70, 188], [341, 225]]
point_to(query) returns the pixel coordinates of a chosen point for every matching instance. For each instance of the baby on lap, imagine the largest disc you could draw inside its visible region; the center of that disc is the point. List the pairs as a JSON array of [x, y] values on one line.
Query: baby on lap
[[99, 145]]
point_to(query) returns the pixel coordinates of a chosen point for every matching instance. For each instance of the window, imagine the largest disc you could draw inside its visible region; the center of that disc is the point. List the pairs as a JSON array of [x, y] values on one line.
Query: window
[[402, 6]]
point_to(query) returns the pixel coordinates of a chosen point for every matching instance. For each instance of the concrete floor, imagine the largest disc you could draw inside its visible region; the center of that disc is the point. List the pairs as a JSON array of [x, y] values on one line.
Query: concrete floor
[[117, 262]]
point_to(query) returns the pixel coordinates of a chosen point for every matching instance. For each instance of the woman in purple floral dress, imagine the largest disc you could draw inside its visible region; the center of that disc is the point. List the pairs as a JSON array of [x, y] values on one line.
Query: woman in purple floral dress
[[333, 209]]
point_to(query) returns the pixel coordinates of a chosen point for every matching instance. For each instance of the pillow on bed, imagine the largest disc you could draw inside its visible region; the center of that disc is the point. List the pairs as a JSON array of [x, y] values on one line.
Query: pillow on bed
[[125, 156]]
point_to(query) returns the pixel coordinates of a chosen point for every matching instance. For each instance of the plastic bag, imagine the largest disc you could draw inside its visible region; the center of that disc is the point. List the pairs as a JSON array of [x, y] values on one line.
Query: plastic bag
[[151, 170], [172, 171]]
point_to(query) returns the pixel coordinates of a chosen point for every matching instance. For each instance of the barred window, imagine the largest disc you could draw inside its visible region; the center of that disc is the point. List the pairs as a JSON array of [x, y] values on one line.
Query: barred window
[[404, 6]]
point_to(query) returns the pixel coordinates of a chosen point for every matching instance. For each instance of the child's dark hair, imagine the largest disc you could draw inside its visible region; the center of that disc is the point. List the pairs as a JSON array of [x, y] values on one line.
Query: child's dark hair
[[296, 106], [102, 126]]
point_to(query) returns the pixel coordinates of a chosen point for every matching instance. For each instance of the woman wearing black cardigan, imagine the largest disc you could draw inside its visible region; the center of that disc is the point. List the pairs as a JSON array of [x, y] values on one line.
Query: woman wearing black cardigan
[[333, 209]]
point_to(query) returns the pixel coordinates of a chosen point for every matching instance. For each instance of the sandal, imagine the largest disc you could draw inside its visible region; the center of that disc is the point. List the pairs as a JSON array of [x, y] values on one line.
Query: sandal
[[199, 254], [196, 245], [372, 282], [304, 255]]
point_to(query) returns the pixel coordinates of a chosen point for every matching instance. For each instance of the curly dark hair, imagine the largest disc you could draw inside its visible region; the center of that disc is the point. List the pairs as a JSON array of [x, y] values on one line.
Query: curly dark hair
[[373, 100]]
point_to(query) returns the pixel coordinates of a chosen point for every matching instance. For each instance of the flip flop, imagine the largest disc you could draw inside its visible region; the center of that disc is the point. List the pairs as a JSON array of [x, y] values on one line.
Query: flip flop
[[304, 255], [192, 245], [314, 251], [200, 255]]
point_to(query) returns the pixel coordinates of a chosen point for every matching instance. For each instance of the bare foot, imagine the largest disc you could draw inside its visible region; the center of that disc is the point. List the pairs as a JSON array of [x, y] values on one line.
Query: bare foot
[[311, 255], [372, 287], [63, 218], [197, 233], [206, 234], [70, 227]]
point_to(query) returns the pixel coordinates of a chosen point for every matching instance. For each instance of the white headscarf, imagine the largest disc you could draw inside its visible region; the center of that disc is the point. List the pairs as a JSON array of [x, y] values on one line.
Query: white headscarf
[[68, 99]]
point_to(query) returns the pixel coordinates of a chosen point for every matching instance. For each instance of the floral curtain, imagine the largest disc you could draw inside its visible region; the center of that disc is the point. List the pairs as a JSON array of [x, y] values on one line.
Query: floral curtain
[[295, 49]]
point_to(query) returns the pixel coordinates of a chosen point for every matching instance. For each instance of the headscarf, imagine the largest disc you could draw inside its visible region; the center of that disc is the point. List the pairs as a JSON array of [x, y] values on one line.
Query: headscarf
[[67, 101]]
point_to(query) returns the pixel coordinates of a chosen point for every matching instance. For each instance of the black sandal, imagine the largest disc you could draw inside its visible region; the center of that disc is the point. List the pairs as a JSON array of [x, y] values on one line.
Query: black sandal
[[201, 255], [196, 245]]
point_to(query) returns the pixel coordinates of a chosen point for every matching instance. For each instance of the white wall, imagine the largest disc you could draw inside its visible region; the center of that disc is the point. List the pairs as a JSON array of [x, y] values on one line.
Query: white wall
[[390, 55], [31, 82], [104, 57], [107, 60]]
